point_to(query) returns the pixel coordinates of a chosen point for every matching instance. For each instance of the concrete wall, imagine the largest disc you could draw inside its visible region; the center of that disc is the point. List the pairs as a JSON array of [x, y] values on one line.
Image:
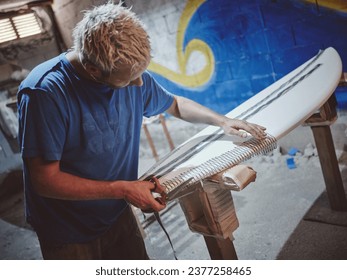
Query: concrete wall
[[28, 51], [219, 52]]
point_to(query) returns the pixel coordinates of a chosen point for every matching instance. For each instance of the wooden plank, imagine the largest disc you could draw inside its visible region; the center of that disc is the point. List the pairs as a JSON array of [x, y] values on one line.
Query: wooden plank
[[320, 125], [150, 142], [220, 249], [330, 167], [326, 115], [166, 132]]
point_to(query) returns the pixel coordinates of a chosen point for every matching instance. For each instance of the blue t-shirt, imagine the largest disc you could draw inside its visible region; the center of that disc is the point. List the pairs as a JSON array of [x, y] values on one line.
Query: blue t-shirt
[[93, 130]]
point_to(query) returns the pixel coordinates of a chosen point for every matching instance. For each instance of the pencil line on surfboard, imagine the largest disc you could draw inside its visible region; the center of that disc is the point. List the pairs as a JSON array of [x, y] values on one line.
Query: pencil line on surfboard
[[175, 162], [284, 91], [243, 116], [250, 110]]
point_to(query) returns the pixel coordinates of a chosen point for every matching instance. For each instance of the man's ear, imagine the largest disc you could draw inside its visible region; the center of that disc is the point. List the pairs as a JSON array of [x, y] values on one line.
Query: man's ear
[[93, 70]]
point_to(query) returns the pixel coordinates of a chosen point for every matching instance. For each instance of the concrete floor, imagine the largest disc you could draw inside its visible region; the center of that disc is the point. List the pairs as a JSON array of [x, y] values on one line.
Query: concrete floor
[[285, 214]]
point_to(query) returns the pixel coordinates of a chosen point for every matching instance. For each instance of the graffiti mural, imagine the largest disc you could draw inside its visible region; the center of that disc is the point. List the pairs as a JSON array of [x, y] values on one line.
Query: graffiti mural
[[246, 45]]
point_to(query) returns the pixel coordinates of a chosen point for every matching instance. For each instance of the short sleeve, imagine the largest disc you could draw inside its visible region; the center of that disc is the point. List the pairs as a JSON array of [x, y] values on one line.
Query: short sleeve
[[156, 99], [42, 126]]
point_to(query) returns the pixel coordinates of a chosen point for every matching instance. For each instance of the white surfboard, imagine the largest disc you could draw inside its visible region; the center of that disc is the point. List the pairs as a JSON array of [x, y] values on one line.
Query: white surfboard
[[280, 108]]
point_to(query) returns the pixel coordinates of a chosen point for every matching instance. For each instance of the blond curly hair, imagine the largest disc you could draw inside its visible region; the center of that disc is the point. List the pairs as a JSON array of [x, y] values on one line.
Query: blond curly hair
[[110, 36]]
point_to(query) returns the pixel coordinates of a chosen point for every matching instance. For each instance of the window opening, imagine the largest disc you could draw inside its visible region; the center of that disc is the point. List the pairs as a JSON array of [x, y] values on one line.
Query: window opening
[[18, 27]]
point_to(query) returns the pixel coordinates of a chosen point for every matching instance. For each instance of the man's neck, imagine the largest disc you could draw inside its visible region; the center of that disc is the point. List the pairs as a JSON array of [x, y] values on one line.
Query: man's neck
[[75, 61]]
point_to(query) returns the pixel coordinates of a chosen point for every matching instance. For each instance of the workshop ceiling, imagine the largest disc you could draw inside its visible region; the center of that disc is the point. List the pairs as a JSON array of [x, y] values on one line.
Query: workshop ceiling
[[7, 5]]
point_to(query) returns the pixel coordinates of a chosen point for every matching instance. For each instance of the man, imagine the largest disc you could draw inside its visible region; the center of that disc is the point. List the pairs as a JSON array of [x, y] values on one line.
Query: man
[[80, 117]]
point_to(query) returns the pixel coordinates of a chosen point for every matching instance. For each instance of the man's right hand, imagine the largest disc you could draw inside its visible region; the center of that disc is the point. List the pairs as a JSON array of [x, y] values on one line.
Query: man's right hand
[[140, 194]]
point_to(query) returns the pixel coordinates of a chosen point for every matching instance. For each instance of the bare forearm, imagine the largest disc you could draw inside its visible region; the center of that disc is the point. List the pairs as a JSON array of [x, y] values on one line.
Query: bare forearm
[[193, 112], [49, 181], [62, 185], [69, 187]]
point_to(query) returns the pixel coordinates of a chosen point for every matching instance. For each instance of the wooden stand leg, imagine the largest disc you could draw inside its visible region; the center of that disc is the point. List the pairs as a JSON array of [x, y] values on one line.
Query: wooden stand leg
[[150, 142], [203, 210], [220, 249], [330, 167], [166, 131], [320, 124]]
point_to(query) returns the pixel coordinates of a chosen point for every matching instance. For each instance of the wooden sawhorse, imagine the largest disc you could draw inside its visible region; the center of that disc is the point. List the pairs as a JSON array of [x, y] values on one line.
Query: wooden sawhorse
[[223, 249], [161, 119], [320, 124]]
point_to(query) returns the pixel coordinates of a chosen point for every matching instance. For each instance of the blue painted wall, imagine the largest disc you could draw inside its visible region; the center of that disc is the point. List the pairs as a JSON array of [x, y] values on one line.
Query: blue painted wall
[[255, 42]]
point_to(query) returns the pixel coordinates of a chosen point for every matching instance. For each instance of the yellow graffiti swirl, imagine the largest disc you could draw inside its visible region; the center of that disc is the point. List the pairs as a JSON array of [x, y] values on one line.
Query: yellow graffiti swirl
[[339, 5], [182, 77]]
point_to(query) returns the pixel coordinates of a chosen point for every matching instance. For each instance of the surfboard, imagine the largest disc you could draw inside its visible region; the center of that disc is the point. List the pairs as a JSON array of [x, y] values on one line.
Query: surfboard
[[280, 108]]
